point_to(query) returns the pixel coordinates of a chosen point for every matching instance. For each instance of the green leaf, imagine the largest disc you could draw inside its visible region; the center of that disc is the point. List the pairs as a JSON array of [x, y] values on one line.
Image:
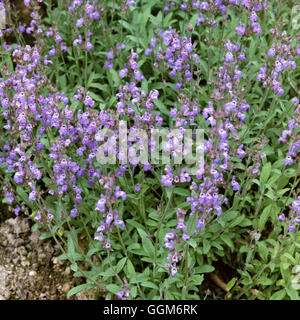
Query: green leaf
[[121, 265], [227, 240], [71, 247], [237, 221], [107, 273], [265, 173], [192, 243], [182, 192], [21, 192], [264, 216], [230, 215], [290, 257], [79, 288], [206, 246], [206, 268], [130, 268], [292, 293], [162, 108], [135, 224], [231, 283], [113, 288], [263, 251], [149, 284], [285, 272], [45, 235], [147, 244], [263, 280], [115, 77], [278, 295], [74, 267]]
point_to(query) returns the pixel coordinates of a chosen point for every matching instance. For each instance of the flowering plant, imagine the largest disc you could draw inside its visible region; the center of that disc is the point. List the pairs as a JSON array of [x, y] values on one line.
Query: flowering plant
[[87, 90]]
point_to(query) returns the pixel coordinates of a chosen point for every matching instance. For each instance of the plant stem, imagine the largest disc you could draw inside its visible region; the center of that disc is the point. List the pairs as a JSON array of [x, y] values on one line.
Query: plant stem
[[158, 230]]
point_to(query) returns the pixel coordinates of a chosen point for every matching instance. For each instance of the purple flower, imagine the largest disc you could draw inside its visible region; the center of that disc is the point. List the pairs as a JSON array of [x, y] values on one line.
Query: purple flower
[[52, 51], [100, 206], [180, 225], [32, 196], [235, 185], [73, 212], [295, 101], [38, 216], [240, 30], [80, 22], [9, 197], [169, 236], [229, 57], [89, 46], [291, 227], [153, 95], [120, 194], [288, 161], [18, 177], [241, 153], [153, 42], [271, 52], [169, 245], [120, 293], [253, 16], [173, 271], [110, 54], [108, 65], [99, 237], [167, 180], [123, 73], [130, 3], [109, 218]]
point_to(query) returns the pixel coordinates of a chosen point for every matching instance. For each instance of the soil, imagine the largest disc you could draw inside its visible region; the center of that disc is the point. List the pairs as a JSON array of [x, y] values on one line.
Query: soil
[[30, 268]]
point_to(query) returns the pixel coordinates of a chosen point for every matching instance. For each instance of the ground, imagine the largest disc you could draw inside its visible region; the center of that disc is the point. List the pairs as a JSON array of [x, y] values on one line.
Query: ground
[[30, 268]]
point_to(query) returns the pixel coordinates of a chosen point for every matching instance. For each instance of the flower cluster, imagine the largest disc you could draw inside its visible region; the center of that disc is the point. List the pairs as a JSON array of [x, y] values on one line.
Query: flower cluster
[[253, 8], [294, 217], [205, 199], [31, 117], [124, 290], [292, 136], [177, 54], [280, 57], [172, 240], [110, 216]]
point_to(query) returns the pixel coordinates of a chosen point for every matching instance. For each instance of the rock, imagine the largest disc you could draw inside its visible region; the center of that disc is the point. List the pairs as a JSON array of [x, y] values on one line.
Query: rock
[[30, 268], [25, 263], [66, 287], [34, 237], [67, 271], [32, 273], [16, 260], [19, 242], [22, 251], [18, 225], [41, 256]]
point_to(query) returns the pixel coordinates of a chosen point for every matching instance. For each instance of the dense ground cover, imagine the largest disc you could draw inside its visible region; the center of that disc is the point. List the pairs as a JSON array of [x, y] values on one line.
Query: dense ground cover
[[85, 83]]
